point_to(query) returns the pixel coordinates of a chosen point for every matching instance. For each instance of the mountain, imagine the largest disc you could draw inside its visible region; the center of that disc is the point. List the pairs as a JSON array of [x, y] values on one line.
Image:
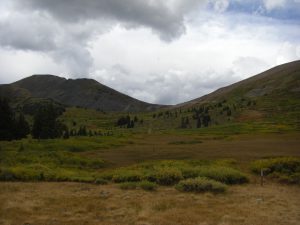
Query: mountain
[[280, 81], [86, 93], [272, 97]]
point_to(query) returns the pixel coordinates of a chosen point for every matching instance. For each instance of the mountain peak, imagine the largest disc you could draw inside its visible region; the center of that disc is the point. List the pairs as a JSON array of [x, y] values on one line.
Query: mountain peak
[[83, 92]]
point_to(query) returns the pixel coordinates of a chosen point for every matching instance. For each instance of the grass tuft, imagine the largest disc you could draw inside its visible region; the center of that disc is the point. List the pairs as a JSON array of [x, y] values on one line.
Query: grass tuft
[[284, 169], [201, 184], [147, 185]]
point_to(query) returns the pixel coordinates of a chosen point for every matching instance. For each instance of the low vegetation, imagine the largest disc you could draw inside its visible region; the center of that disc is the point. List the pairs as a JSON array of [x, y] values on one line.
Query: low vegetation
[[201, 184], [284, 169], [128, 185], [145, 185], [49, 160], [205, 175]]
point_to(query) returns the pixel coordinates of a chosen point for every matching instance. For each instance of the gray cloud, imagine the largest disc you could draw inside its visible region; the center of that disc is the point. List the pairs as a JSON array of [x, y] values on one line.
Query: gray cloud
[[63, 29], [112, 41], [30, 32], [164, 17], [173, 87]]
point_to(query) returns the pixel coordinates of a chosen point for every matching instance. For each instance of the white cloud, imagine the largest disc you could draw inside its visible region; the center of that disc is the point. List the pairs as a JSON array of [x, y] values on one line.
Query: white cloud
[[287, 52], [16, 65], [218, 47], [273, 4], [221, 5]]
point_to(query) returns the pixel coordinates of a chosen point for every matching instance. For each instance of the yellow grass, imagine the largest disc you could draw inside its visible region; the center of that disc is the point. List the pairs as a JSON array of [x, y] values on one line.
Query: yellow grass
[[73, 203]]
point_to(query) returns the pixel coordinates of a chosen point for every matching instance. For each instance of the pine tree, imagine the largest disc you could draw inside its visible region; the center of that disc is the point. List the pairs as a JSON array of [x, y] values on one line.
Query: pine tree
[[66, 134], [46, 125], [6, 121], [199, 122], [21, 127]]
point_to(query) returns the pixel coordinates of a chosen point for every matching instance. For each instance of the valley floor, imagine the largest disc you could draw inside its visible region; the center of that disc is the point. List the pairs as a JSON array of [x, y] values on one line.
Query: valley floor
[[243, 148], [45, 203], [66, 203]]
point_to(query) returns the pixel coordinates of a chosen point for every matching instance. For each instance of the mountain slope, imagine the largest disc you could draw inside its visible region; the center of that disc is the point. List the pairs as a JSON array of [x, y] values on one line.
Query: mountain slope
[[86, 93], [280, 81], [271, 97]]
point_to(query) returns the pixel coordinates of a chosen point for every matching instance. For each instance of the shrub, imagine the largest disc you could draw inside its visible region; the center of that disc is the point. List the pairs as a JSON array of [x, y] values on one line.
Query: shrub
[[108, 175], [128, 185], [224, 174], [284, 169], [126, 176], [285, 165], [165, 176], [80, 179], [219, 173], [7, 175], [201, 184], [101, 181], [147, 185], [190, 172]]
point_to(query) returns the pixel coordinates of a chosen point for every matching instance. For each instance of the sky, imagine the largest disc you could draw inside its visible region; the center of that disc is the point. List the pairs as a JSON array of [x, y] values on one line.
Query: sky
[[164, 52]]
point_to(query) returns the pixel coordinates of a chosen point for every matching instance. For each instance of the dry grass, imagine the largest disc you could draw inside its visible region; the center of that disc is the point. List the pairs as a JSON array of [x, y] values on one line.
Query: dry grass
[[43, 203], [73, 203], [244, 148]]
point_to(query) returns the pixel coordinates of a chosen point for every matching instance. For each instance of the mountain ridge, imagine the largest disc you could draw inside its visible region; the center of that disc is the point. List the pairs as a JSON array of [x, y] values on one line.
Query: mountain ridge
[[83, 92], [88, 93], [276, 72]]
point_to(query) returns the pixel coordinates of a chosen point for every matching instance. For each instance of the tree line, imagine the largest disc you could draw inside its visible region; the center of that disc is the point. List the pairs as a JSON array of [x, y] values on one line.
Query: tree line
[[14, 126]]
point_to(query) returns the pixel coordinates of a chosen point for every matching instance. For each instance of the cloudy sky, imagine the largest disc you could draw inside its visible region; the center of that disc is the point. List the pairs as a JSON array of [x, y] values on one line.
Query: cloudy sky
[[159, 51]]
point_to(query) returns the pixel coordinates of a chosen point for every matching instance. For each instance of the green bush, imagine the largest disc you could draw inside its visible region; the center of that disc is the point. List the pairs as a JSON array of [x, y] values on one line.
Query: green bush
[[80, 179], [147, 185], [100, 181], [190, 172], [108, 175], [219, 173], [201, 184], [7, 175], [284, 169], [127, 176], [165, 176], [287, 165], [128, 185], [225, 175]]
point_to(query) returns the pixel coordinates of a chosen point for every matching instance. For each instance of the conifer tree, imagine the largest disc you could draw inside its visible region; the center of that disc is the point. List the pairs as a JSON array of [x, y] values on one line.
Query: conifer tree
[[46, 125], [21, 127], [6, 121]]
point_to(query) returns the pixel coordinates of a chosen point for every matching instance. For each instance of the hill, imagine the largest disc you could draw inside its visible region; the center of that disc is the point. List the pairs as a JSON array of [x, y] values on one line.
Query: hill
[[273, 95], [86, 93], [280, 81], [269, 101]]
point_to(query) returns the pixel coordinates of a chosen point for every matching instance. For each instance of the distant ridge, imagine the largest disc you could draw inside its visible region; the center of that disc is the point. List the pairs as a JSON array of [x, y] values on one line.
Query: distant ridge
[[273, 88], [86, 93], [280, 81]]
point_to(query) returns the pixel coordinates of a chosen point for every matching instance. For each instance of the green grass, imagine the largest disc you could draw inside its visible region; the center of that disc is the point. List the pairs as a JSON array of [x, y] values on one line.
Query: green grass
[[170, 172], [145, 185], [284, 169], [121, 176], [201, 184], [50, 159]]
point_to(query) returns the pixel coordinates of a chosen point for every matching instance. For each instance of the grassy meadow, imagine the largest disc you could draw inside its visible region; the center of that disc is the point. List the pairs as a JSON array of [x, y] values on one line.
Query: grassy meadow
[[155, 173]]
